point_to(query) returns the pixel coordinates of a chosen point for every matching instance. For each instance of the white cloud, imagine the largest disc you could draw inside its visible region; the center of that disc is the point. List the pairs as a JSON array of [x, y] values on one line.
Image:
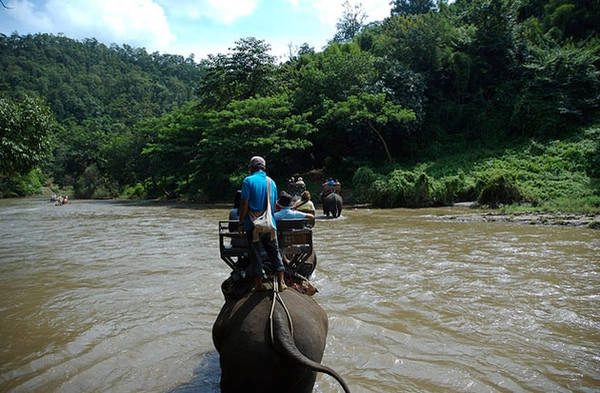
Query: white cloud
[[329, 11], [136, 22], [220, 11], [202, 26], [230, 10], [377, 10], [25, 14]]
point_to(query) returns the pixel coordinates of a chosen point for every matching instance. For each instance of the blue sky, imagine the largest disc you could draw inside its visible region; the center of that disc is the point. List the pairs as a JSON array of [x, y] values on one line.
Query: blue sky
[[185, 27]]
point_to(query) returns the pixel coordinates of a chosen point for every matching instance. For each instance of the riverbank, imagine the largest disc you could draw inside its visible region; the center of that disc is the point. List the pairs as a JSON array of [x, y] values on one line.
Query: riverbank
[[591, 221]]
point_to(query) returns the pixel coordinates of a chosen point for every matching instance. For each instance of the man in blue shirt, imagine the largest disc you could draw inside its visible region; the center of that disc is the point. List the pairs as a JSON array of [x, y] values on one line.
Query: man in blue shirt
[[253, 201], [285, 212]]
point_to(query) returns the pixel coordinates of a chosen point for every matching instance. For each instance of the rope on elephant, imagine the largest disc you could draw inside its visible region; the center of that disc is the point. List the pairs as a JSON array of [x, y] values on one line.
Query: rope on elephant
[[277, 298]]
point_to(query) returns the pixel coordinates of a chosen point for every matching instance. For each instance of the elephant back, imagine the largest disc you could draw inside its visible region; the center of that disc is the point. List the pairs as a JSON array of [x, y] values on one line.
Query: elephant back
[[242, 336]]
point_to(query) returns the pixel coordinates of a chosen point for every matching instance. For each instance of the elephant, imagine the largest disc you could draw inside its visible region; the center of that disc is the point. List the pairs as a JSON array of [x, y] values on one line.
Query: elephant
[[271, 342], [332, 203]]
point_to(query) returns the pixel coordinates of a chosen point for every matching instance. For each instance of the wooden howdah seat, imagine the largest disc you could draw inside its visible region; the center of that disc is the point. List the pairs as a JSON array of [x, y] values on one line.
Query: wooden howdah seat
[[295, 241], [233, 248], [294, 237]]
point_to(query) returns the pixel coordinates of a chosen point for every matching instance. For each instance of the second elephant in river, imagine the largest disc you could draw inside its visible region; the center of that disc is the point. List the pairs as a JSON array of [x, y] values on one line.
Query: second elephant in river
[[271, 343], [332, 204]]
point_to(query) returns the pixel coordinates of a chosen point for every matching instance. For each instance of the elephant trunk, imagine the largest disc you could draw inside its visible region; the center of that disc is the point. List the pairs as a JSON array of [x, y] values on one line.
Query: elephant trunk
[[285, 345]]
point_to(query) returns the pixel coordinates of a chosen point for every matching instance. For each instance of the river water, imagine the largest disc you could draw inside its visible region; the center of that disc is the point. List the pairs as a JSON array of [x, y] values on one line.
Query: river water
[[106, 296]]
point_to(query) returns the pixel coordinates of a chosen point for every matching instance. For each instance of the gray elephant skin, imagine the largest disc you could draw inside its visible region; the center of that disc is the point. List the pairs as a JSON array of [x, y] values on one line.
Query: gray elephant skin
[[261, 354], [332, 204]]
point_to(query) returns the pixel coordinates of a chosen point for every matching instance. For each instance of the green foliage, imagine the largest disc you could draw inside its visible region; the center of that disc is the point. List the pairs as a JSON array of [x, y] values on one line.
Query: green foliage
[[416, 188], [350, 23], [454, 188], [336, 73], [248, 71], [497, 187], [86, 79], [98, 95], [362, 184], [372, 112], [403, 188], [448, 96], [22, 184], [412, 7], [196, 152], [572, 18], [552, 175], [93, 184], [136, 191], [590, 149], [265, 126], [542, 172], [586, 205], [561, 90], [403, 87], [26, 135]]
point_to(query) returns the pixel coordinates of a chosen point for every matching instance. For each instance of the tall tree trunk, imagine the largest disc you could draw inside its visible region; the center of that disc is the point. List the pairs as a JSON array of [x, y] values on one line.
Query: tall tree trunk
[[385, 146]]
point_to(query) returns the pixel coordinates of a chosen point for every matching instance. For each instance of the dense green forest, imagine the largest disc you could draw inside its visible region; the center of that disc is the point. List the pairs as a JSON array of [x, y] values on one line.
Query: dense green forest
[[488, 100]]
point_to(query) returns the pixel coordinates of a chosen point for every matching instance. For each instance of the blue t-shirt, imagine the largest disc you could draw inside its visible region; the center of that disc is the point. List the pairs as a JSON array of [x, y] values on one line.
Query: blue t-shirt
[[254, 189], [288, 214]]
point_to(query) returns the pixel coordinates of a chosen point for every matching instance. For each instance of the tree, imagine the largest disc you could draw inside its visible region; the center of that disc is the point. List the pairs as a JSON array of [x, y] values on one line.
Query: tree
[[98, 95], [577, 19], [561, 90], [172, 148], [494, 43], [412, 7], [339, 71], [265, 126], [350, 23], [246, 72], [26, 134], [202, 153], [403, 86], [373, 111]]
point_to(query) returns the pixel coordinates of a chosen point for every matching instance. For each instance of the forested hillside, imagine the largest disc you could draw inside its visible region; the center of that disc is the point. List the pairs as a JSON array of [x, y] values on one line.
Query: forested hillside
[[494, 100], [98, 95]]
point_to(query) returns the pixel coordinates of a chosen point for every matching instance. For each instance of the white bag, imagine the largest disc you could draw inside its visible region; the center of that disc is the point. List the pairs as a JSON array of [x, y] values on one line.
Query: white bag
[[263, 221]]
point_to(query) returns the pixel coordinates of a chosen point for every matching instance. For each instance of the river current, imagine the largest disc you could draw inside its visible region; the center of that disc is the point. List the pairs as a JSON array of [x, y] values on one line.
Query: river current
[[108, 296]]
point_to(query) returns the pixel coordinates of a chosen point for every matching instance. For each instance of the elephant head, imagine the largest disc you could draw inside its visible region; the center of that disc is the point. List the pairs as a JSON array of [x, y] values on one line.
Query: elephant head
[[271, 342]]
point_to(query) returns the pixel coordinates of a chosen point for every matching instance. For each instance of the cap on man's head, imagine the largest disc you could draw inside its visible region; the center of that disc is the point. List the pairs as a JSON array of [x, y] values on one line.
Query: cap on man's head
[[285, 200], [257, 162]]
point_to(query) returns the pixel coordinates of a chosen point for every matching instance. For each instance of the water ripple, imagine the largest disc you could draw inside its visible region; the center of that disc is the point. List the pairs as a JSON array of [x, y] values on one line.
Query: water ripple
[[111, 296]]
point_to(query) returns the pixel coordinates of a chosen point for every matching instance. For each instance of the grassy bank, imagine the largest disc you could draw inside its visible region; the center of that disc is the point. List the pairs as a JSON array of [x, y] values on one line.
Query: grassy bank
[[556, 175]]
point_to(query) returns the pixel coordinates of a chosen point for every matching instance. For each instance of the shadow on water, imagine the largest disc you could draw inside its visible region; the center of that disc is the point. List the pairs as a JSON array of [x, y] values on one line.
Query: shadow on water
[[206, 376]]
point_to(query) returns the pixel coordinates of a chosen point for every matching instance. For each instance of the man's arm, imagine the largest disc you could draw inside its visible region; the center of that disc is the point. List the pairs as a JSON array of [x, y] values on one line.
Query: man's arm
[[311, 219]]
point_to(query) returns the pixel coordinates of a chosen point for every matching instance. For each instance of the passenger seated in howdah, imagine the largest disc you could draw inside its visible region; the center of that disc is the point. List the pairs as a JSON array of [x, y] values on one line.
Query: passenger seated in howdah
[[284, 209], [331, 185], [305, 204]]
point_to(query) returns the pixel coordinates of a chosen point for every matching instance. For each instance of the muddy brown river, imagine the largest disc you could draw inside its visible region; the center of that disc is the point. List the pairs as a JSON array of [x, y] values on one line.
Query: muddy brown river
[[107, 296]]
